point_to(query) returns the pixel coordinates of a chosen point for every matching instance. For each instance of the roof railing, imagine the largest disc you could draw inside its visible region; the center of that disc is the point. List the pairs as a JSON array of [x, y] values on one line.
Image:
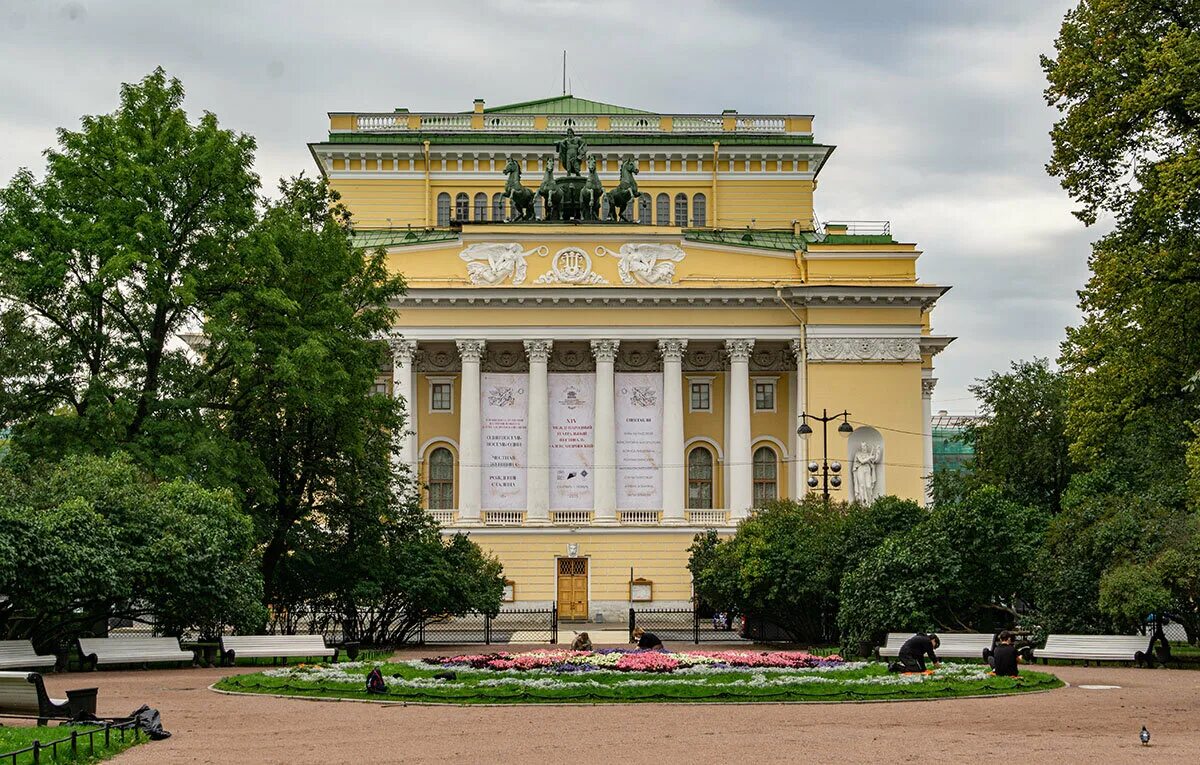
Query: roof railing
[[454, 122]]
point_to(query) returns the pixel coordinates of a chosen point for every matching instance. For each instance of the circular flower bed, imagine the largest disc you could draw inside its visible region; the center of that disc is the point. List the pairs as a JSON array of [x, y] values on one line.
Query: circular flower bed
[[623, 660]]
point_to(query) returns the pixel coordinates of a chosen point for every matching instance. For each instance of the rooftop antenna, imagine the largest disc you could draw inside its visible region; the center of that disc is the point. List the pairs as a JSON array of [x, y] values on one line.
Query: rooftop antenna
[[564, 73]]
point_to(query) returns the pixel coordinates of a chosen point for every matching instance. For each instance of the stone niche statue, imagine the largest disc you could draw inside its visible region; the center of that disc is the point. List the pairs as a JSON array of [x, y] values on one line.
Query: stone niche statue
[[866, 465], [572, 152]]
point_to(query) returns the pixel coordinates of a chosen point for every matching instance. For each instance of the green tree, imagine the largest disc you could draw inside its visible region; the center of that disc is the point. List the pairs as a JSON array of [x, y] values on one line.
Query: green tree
[[964, 567], [299, 342], [1020, 443], [122, 245], [95, 538]]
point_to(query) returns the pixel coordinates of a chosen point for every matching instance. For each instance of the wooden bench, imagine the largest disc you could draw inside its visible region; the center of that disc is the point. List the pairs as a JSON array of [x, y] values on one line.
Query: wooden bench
[[1097, 648], [954, 645], [275, 647], [24, 693], [19, 654], [131, 650]]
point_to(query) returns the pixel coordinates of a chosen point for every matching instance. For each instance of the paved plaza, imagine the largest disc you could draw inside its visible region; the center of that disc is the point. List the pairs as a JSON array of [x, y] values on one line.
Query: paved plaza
[[1073, 724]]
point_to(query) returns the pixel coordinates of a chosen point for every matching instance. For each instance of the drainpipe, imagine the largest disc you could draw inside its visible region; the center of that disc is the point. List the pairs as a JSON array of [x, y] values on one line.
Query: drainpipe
[[425, 144]]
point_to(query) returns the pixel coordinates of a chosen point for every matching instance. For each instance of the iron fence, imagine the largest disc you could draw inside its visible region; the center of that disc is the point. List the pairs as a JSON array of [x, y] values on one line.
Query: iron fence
[[74, 744], [683, 625], [513, 625]]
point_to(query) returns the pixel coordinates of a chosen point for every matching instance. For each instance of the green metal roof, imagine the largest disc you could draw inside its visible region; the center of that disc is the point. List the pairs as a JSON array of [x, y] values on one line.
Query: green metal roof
[[398, 237], [597, 139], [563, 105], [783, 239]]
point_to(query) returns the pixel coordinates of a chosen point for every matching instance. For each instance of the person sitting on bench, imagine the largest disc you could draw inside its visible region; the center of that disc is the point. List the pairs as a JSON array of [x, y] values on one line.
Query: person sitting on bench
[[912, 654], [1004, 657]]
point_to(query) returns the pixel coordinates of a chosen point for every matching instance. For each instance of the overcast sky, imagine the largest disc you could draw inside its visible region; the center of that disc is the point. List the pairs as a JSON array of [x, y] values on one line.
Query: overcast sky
[[935, 107]]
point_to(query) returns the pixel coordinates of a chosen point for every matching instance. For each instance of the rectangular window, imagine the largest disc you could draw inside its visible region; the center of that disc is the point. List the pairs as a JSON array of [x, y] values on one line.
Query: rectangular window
[[380, 389], [701, 397], [764, 397], [440, 394]]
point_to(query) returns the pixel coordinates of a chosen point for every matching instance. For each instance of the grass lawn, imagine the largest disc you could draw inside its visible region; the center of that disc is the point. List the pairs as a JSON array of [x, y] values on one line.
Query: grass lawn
[[415, 682], [14, 738]]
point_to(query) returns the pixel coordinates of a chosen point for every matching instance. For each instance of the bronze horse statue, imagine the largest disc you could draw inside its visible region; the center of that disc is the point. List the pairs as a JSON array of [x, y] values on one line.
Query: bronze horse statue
[[521, 197], [626, 192], [550, 192], [590, 194]]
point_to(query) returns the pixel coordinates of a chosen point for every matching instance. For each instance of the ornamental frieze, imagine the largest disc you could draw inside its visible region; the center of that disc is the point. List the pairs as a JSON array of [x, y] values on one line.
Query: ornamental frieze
[[864, 349]]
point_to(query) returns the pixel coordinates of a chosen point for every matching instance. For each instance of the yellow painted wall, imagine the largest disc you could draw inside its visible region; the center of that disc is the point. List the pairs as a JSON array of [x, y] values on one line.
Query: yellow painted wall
[[770, 204]]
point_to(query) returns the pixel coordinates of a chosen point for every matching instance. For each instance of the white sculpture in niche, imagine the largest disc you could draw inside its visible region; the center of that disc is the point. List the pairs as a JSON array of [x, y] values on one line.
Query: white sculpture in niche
[[491, 263], [866, 465], [646, 263], [570, 265]]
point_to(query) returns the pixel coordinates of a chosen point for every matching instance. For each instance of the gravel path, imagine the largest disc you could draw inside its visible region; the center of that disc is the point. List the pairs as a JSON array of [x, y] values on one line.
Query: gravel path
[[1063, 726]]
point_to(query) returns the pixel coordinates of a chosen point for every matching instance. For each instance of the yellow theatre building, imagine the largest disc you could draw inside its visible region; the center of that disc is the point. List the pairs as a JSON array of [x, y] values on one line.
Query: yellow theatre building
[[598, 372]]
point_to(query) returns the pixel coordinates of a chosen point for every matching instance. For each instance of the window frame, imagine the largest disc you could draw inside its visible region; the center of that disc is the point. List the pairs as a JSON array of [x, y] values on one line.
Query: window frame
[[442, 482], [433, 383], [662, 209], [710, 482], [481, 208], [708, 381], [756, 381], [462, 207], [444, 208], [699, 210], [759, 498], [498, 211], [681, 221]]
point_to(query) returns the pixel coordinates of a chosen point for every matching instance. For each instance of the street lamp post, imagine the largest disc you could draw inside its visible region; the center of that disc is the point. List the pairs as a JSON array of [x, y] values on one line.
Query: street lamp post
[[826, 467]]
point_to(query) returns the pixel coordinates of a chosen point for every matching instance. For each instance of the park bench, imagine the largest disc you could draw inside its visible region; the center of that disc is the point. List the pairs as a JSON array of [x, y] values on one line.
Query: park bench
[[132, 650], [24, 693], [19, 654], [275, 647], [954, 645], [1097, 648]]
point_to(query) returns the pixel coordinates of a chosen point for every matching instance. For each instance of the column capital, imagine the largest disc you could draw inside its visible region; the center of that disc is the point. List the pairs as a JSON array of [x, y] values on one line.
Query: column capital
[[402, 350], [470, 350], [797, 346], [605, 350], [927, 386], [539, 350], [672, 348], [739, 348]]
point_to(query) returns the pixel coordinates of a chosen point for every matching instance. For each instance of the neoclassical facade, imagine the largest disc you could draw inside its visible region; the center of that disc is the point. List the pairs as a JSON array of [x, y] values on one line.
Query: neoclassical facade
[[585, 396]]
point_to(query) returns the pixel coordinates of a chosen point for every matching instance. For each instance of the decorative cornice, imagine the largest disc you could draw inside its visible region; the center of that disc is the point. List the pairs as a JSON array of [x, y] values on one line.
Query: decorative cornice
[[672, 349], [605, 350], [864, 349], [739, 349], [470, 350], [935, 344], [539, 350]]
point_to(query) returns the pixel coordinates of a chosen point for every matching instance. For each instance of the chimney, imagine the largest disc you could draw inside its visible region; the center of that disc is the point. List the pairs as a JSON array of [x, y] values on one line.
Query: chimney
[[479, 106]]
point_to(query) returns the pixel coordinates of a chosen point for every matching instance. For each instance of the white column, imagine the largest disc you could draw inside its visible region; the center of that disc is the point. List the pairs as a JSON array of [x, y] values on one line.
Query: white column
[[538, 437], [403, 389], [470, 433], [737, 446], [927, 386], [674, 476], [604, 445], [799, 471]]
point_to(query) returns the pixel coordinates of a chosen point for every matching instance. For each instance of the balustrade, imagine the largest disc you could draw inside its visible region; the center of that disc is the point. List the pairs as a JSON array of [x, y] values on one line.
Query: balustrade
[[640, 517], [503, 517], [572, 517]]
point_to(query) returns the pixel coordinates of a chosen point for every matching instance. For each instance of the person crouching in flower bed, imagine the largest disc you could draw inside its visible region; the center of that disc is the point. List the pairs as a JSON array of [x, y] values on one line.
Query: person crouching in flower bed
[[646, 640], [1004, 656], [912, 654], [582, 642]]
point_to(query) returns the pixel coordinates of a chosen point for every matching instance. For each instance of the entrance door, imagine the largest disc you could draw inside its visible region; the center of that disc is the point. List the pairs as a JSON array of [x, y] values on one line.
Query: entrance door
[[572, 588]]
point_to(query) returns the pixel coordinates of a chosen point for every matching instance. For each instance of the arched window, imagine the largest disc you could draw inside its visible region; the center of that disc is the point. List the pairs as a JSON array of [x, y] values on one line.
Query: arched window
[[481, 207], [443, 207], [766, 476], [537, 209], [644, 210], [441, 479], [681, 218], [604, 207], [462, 206], [663, 216], [700, 479], [498, 208], [699, 210]]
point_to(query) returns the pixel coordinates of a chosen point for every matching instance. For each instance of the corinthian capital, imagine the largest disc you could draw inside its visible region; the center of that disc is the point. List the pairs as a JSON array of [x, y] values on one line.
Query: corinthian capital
[[402, 350], [927, 386], [739, 349], [539, 350], [672, 348], [605, 350], [470, 350]]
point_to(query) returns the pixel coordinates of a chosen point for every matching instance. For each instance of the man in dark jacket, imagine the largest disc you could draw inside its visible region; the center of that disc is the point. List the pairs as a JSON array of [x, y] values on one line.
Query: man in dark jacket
[[913, 652]]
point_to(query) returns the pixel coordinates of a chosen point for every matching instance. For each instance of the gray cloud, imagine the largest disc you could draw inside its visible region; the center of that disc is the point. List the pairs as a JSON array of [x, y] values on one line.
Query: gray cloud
[[935, 106]]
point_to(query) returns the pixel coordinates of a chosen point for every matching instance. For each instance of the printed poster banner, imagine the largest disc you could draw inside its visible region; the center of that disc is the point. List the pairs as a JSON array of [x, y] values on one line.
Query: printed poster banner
[[639, 410], [504, 405], [572, 421]]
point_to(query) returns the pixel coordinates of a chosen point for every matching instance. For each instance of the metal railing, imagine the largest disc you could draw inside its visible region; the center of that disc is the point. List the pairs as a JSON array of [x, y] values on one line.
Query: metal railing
[[73, 743], [503, 517], [385, 122], [682, 624], [515, 625], [855, 227], [571, 517]]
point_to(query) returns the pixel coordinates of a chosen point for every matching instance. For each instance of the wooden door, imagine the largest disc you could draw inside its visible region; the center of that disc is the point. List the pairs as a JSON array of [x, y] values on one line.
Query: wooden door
[[572, 588]]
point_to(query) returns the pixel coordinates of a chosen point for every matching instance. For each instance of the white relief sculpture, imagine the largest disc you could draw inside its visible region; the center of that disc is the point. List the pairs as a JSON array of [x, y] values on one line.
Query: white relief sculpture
[[491, 263], [864, 349], [646, 263], [866, 483], [571, 265]]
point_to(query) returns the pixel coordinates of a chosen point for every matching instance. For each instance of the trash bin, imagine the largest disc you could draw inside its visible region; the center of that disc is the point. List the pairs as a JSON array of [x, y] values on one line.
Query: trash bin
[[82, 700]]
